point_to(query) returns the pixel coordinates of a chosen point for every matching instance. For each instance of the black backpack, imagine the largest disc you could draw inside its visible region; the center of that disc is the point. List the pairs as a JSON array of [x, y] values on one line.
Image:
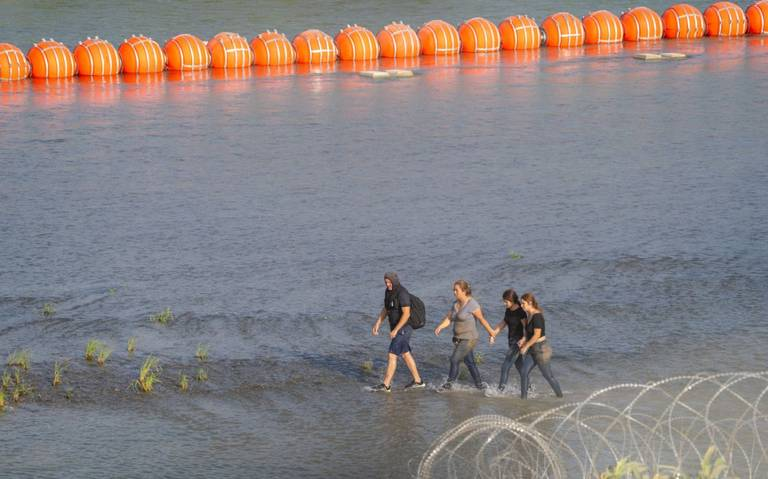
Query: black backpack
[[418, 313]]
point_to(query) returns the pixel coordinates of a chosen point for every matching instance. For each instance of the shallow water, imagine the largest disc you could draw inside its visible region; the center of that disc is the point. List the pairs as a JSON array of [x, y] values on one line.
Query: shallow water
[[264, 210]]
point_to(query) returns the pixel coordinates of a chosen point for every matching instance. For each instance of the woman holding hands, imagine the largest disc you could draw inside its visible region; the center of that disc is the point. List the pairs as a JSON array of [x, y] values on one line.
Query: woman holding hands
[[464, 315]]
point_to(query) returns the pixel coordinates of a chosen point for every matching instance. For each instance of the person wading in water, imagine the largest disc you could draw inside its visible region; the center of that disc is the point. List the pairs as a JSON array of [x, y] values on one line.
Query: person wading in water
[[397, 307]]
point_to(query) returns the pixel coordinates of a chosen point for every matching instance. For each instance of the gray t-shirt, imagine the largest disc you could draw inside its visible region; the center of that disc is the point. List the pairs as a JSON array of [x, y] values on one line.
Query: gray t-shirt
[[464, 323]]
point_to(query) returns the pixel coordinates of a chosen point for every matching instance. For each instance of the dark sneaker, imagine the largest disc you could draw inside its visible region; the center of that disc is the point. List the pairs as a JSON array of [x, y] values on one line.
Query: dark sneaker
[[447, 386], [501, 387], [482, 386], [415, 385], [382, 387]]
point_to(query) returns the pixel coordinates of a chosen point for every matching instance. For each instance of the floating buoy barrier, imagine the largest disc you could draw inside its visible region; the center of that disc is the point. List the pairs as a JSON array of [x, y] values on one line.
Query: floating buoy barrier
[[314, 46], [641, 24], [519, 32], [96, 57], [51, 59], [272, 48], [398, 40], [563, 29], [438, 37], [683, 21], [479, 35], [757, 17], [13, 64], [140, 54], [357, 43], [602, 26], [186, 52], [229, 50], [725, 19]]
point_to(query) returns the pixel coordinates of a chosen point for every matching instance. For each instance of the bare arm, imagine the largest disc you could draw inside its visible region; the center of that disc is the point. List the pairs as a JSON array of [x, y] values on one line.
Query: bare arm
[[531, 341], [403, 321], [443, 324], [377, 324], [478, 314]]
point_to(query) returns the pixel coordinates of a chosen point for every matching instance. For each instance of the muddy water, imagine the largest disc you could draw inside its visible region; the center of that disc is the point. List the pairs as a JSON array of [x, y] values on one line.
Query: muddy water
[[264, 210]]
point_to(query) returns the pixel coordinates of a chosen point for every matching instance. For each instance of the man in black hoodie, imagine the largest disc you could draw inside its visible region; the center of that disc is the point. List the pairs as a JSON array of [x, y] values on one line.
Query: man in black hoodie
[[397, 307]]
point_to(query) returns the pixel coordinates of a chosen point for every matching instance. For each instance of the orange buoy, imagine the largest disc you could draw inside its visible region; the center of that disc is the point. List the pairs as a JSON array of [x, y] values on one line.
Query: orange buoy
[[13, 64], [519, 32], [683, 21], [229, 50], [140, 54], [641, 24], [725, 19], [51, 59], [97, 57], [357, 43], [602, 26], [563, 29], [398, 40], [186, 52], [479, 35], [757, 17], [314, 46], [272, 49], [438, 37]]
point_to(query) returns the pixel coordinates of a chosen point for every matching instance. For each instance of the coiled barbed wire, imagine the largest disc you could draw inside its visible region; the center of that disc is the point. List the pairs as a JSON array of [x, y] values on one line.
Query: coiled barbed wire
[[667, 427]]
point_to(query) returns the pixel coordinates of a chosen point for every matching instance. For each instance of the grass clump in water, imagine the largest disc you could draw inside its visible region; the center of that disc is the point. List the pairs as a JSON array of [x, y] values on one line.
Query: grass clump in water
[[19, 359], [6, 381], [20, 390], [2, 399], [164, 317], [712, 466], [48, 310], [202, 353], [202, 375], [183, 383], [92, 348], [367, 367], [149, 374], [131, 345], [514, 255], [103, 355], [58, 370], [69, 393]]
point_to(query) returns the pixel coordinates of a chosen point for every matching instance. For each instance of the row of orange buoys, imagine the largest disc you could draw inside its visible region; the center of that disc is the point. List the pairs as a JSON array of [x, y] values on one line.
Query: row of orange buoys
[[186, 52]]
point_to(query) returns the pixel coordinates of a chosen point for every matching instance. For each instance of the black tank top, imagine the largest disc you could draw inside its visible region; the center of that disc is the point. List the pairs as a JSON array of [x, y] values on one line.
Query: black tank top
[[514, 320]]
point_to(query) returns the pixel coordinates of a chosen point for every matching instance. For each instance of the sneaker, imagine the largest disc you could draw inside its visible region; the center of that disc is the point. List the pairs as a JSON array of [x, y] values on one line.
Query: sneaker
[[382, 387], [501, 387], [482, 386], [447, 386], [415, 385]]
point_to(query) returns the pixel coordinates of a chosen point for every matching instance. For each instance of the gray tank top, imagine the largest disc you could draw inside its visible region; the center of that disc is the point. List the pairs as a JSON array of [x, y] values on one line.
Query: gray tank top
[[464, 323]]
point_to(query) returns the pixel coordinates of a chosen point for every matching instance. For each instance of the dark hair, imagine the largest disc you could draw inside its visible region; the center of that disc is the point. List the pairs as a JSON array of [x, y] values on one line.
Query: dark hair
[[528, 298], [464, 286], [511, 296]]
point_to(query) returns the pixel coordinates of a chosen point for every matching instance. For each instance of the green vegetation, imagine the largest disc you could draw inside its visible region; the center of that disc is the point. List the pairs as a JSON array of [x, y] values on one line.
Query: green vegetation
[[104, 354], [713, 466], [513, 255], [131, 345], [202, 375], [184, 382], [367, 367], [2, 399], [202, 353], [148, 375], [112, 291], [20, 390], [58, 370], [17, 377], [92, 349], [164, 317], [20, 359], [48, 310], [69, 393], [479, 359], [6, 380]]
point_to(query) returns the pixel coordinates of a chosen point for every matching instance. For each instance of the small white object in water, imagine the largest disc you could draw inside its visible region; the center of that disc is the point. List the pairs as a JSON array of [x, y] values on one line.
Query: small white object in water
[[673, 56], [400, 73], [374, 74], [648, 56]]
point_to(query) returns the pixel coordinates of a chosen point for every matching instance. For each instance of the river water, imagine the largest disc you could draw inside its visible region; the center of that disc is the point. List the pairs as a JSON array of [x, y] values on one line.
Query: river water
[[264, 209]]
